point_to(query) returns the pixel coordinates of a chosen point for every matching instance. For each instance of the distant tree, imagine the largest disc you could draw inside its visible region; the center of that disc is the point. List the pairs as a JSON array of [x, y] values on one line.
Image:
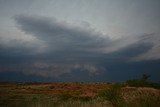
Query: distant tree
[[145, 77], [142, 82]]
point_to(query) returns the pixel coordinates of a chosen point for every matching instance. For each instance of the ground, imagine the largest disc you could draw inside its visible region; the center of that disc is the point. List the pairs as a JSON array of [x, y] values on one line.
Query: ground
[[76, 94]]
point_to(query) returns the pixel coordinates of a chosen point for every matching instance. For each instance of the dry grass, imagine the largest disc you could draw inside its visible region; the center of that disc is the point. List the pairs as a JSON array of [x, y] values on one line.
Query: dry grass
[[74, 95]]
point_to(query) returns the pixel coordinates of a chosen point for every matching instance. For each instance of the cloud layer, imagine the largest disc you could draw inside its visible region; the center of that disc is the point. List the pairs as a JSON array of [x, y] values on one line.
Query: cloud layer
[[60, 48]]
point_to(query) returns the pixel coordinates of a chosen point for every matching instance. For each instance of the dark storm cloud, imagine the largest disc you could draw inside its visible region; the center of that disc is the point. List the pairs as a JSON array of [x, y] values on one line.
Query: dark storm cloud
[[68, 49], [61, 35]]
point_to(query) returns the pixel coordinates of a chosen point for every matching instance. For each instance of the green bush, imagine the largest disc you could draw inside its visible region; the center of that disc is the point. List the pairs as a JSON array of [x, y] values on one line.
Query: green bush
[[137, 83], [112, 94], [65, 97], [143, 82], [85, 98], [66, 84], [154, 85], [117, 85], [51, 87]]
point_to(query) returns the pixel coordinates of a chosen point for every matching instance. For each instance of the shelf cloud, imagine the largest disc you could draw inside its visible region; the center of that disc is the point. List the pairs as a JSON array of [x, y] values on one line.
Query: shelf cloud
[[59, 48]]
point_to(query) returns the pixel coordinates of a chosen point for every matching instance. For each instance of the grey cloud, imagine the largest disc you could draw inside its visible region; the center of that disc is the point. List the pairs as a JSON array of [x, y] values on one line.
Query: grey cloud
[[68, 48], [47, 69], [153, 53], [62, 35]]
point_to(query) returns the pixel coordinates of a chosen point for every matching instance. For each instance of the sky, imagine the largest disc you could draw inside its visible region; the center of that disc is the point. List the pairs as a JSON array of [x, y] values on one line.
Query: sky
[[79, 40]]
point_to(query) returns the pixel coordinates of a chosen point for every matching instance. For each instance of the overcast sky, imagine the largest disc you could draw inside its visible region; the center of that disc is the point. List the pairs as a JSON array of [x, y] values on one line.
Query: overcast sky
[[79, 40]]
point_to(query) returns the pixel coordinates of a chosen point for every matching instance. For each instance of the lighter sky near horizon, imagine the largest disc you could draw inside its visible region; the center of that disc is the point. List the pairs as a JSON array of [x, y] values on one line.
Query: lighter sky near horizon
[[112, 17]]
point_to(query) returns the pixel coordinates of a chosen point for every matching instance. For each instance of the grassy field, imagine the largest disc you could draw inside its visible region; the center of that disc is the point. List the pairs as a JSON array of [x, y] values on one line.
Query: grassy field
[[77, 95]]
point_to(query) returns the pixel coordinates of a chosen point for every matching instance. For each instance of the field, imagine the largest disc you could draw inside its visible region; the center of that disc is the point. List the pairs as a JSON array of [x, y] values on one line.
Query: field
[[77, 94]]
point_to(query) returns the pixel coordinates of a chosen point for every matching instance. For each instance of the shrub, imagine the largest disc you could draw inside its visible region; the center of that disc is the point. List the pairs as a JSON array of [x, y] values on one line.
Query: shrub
[[65, 97], [117, 85], [65, 84], [137, 83], [85, 98], [155, 85], [51, 87], [112, 94], [143, 82]]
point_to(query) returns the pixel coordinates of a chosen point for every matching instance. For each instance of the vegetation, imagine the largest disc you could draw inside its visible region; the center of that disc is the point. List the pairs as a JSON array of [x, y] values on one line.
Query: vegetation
[[133, 93], [112, 94], [143, 82]]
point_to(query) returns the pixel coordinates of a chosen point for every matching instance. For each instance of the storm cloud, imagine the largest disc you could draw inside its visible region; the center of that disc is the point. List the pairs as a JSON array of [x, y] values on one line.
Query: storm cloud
[[66, 48]]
